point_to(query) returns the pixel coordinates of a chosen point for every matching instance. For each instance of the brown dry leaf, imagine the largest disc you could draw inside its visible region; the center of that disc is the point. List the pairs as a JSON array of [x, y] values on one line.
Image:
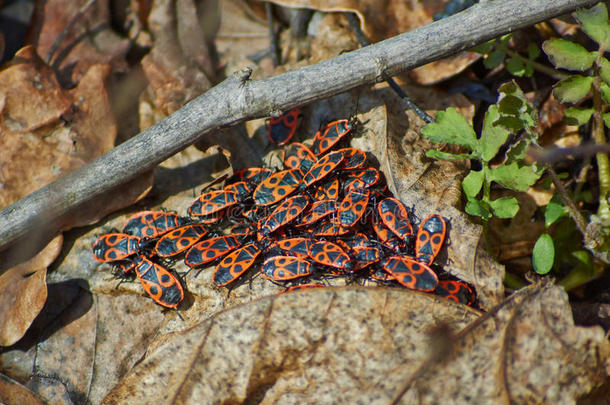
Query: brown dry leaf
[[23, 293], [11, 392], [388, 18], [371, 343], [90, 41], [89, 343], [179, 66], [48, 131]]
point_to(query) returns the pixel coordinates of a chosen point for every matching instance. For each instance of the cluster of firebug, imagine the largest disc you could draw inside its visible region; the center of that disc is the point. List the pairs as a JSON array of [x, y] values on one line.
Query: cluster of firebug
[[327, 213]]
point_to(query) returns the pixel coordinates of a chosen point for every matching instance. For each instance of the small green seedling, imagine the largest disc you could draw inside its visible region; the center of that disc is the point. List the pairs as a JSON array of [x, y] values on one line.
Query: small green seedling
[[511, 115]]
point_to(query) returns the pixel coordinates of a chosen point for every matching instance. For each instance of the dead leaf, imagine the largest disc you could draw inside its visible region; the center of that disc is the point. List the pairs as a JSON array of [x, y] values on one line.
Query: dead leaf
[[49, 131], [31, 95], [88, 42], [370, 343], [11, 392], [23, 293]]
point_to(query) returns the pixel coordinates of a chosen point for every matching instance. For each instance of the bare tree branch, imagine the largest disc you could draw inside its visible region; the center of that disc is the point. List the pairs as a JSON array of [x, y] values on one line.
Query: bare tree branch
[[238, 99]]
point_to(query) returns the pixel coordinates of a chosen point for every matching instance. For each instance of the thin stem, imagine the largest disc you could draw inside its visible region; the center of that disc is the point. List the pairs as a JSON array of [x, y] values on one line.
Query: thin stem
[[603, 166], [579, 220], [537, 66]]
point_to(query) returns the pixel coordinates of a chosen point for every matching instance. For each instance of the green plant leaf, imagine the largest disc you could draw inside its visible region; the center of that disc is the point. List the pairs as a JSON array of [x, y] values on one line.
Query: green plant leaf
[[514, 176], [605, 90], [492, 136], [472, 183], [553, 211], [578, 116], [516, 67], [515, 110], [606, 118], [529, 69], [594, 23], [568, 55], [451, 127], [437, 154], [517, 151], [543, 254], [476, 208], [484, 48], [532, 51], [573, 89], [494, 59], [505, 207], [604, 70]]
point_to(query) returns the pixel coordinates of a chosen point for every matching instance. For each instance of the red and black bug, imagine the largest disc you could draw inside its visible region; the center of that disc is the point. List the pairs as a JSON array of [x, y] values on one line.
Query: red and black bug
[[354, 158], [430, 238], [150, 224], [287, 211], [277, 186], [322, 168], [235, 264], [159, 283], [210, 249], [411, 273], [388, 238], [457, 291], [353, 206], [212, 201], [380, 274], [252, 175], [330, 228], [361, 250], [298, 247], [282, 268], [301, 287], [298, 156], [330, 254], [327, 190], [179, 239], [241, 189], [115, 246], [328, 136], [282, 128], [319, 209], [211, 218], [394, 215], [360, 178]]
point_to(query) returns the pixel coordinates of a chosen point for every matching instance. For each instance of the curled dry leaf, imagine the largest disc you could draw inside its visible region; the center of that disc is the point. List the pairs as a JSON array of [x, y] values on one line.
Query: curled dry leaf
[[89, 41], [367, 345], [11, 392], [23, 293]]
